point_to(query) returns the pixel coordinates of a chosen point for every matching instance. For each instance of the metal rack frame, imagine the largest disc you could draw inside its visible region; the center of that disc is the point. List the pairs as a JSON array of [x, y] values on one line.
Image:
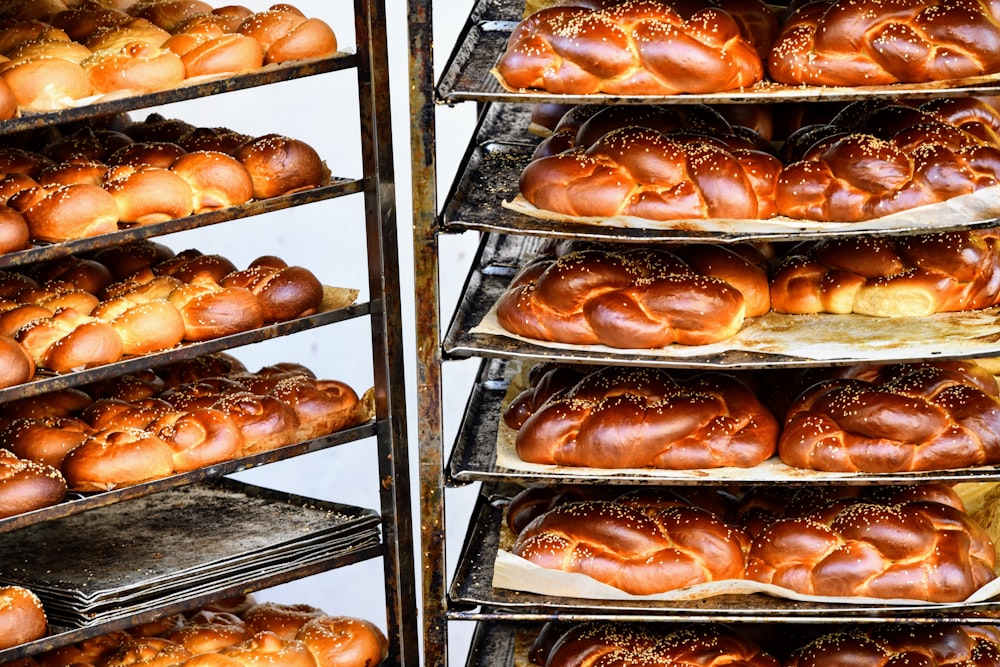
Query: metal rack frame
[[377, 186]]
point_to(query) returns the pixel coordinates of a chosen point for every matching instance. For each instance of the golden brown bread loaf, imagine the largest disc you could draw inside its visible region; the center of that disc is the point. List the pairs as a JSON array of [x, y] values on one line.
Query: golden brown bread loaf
[[706, 645], [147, 195], [70, 341], [44, 440], [286, 34], [638, 418], [641, 298], [640, 172], [842, 43], [285, 292], [27, 485], [16, 365], [145, 652], [66, 212], [890, 276], [638, 550], [915, 550], [913, 417], [22, 617], [135, 68], [632, 48], [216, 180]]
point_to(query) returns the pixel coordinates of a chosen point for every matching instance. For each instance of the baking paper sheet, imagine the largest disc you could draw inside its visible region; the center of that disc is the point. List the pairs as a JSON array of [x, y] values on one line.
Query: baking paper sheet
[[825, 337], [977, 207]]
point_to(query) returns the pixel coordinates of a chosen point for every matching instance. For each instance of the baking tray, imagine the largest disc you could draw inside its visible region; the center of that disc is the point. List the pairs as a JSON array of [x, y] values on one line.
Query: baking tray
[[472, 596], [186, 91], [490, 171], [117, 560], [45, 381], [496, 262], [76, 503], [336, 187], [484, 36], [474, 456]]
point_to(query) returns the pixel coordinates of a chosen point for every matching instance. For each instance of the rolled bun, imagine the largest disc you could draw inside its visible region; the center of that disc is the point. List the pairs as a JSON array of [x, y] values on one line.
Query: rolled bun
[[228, 53], [285, 292], [18, 367], [199, 438], [340, 641], [149, 326], [116, 457], [147, 195], [69, 341], [25, 486], [216, 180], [46, 84], [210, 311], [281, 165], [22, 617], [44, 440], [285, 34], [135, 68], [67, 212]]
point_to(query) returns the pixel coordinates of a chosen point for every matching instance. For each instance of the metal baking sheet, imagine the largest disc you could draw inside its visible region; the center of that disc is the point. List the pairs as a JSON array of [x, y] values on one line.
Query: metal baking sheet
[[211, 535], [45, 381], [474, 597], [486, 282], [337, 187], [490, 172], [484, 36], [474, 456]]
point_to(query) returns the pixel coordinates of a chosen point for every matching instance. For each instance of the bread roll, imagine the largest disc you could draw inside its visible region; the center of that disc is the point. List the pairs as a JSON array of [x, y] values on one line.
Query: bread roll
[[168, 14], [267, 648], [638, 418], [17, 365], [147, 154], [285, 292], [637, 550], [69, 341], [136, 68], [281, 165], [86, 274], [199, 438], [26, 486], [635, 299], [46, 84], [211, 311], [915, 550], [66, 212], [116, 457], [22, 617], [14, 234], [340, 641], [145, 652], [149, 326], [147, 195], [216, 180], [285, 34], [45, 440]]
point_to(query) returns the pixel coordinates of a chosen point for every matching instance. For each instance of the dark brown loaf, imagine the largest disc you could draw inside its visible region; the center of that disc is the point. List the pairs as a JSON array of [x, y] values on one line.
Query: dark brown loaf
[[22, 617], [843, 43], [644, 173], [637, 550], [637, 299], [199, 437], [638, 418], [634, 48], [915, 550], [285, 292], [918, 418], [281, 165]]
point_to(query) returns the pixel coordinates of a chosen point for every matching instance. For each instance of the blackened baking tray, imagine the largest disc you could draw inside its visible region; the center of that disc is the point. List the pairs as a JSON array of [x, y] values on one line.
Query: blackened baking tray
[[45, 381], [186, 91], [497, 260], [118, 560], [474, 456], [489, 174], [484, 36], [336, 187], [472, 596], [76, 503]]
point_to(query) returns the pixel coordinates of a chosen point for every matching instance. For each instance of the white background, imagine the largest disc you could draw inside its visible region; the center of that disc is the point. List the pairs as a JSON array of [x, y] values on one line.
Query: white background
[[328, 238]]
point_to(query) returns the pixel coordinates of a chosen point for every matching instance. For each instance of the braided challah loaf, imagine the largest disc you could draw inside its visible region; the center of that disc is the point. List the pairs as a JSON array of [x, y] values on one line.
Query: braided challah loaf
[[887, 644], [635, 47], [890, 277], [916, 550], [845, 43], [640, 298], [707, 645], [635, 418], [640, 172], [914, 417], [639, 548]]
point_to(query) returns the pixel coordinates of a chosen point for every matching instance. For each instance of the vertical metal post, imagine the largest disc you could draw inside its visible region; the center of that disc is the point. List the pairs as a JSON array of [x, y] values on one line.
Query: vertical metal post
[[428, 335], [386, 320]]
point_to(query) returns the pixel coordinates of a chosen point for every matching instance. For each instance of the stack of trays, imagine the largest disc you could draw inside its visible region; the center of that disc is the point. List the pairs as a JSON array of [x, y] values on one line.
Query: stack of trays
[[117, 561]]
